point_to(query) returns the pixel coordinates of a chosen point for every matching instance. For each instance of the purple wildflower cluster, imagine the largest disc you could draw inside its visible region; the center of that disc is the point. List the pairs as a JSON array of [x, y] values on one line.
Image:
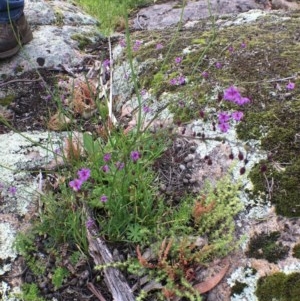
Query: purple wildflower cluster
[[232, 94], [83, 176], [178, 81], [224, 119]]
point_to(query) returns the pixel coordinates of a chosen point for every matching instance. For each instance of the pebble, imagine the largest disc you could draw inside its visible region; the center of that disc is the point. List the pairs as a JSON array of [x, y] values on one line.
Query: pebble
[[190, 165], [182, 167], [193, 148], [189, 158]]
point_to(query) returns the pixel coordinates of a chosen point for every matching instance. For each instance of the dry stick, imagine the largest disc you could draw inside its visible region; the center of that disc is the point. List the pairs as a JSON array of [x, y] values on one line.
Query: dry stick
[[113, 278], [19, 80], [110, 112], [92, 288]]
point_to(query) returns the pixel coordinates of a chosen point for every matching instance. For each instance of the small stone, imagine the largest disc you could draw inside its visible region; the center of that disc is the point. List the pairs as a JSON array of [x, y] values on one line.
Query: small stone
[[43, 284], [178, 147], [188, 176], [162, 187], [185, 181], [189, 158], [192, 181], [84, 275], [193, 148], [182, 167], [189, 165]]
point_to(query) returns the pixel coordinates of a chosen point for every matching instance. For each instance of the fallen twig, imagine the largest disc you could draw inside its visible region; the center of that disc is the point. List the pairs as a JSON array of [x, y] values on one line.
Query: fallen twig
[[92, 288], [19, 80], [113, 278]]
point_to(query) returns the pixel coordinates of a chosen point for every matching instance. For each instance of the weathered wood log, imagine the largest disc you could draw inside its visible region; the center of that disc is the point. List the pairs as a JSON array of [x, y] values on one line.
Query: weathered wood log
[[113, 278]]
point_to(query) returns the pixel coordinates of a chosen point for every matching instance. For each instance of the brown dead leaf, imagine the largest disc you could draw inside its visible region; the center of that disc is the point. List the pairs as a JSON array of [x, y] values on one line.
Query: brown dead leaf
[[210, 283]]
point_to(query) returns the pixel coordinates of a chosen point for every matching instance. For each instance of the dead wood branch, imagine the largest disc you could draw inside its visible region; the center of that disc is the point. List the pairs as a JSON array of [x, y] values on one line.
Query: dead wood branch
[[113, 278]]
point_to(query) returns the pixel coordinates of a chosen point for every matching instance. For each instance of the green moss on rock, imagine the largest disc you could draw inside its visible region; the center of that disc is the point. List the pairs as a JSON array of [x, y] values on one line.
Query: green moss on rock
[[238, 288], [266, 246], [82, 40], [7, 100], [279, 286], [296, 251]]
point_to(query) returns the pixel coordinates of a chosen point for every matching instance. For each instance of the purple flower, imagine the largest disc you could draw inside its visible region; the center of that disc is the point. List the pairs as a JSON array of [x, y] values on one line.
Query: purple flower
[[241, 100], [159, 46], [173, 81], [58, 150], [105, 168], [178, 60], [243, 45], [223, 117], [12, 190], [137, 45], [84, 174], [107, 157], [76, 184], [290, 86], [238, 115], [181, 80], [146, 109], [106, 63], [90, 223], [232, 94], [218, 65], [103, 198], [230, 49], [204, 74], [144, 93], [134, 155], [224, 127], [122, 43], [120, 165]]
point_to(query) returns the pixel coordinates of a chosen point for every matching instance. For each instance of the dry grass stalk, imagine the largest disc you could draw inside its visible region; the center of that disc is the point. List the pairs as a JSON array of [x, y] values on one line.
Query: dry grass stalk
[[58, 122], [83, 101]]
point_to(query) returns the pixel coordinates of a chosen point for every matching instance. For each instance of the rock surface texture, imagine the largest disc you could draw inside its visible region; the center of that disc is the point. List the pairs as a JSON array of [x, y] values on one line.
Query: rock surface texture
[[59, 29]]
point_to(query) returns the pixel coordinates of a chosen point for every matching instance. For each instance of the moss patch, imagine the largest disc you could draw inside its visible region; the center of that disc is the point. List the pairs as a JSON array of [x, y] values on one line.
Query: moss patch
[[238, 288], [5, 101], [296, 251], [266, 246], [82, 40], [279, 286]]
